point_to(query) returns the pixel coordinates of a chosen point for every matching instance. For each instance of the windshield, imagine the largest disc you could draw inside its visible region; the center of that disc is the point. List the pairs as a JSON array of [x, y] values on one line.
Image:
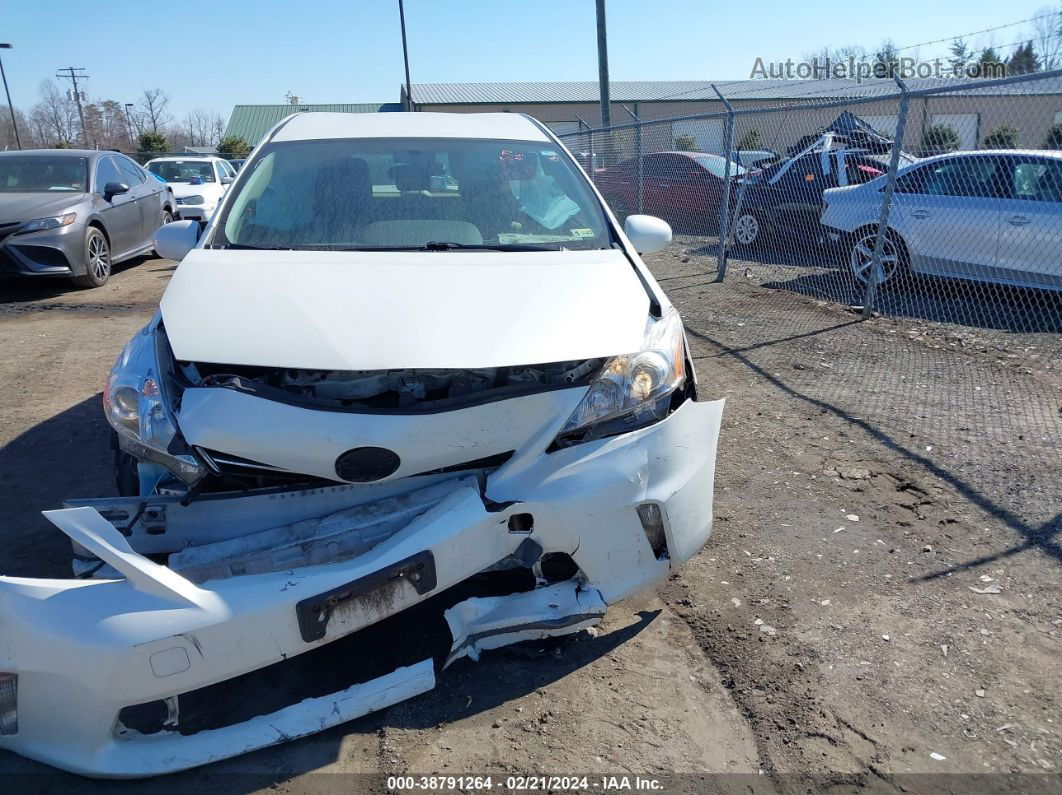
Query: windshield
[[43, 173], [192, 172], [716, 164], [408, 194]]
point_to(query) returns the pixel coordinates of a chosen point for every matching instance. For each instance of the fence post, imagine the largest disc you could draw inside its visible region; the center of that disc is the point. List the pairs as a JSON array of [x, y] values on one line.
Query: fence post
[[724, 211], [638, 156], [871, 293]]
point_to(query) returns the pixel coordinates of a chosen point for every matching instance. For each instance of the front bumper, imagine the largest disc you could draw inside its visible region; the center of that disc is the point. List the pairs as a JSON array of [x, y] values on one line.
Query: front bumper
[[195, 212], [50, 252], [94, 657]]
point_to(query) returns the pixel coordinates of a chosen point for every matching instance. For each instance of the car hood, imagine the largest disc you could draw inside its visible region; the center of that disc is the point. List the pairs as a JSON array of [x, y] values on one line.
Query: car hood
[[26, 206], [403, 310]]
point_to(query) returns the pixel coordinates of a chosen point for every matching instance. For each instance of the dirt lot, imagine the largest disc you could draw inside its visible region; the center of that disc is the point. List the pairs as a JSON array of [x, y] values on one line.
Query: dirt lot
[[870, 476]]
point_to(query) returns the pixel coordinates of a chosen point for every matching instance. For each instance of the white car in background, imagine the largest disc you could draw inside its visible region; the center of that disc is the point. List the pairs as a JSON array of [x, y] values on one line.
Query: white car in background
[[993, 216], [198, 183]]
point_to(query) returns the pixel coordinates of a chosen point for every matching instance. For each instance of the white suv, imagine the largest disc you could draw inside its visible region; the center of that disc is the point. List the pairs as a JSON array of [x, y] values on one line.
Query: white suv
[[198, 183]]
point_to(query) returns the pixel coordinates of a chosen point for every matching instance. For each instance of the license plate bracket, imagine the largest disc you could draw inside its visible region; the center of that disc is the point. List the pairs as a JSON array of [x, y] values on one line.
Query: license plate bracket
[[314, 612]]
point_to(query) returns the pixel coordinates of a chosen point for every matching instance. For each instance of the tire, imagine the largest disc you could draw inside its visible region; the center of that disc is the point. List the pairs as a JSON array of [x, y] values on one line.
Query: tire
[[167, 217], [748, 231], [861, 253], [97, 259]]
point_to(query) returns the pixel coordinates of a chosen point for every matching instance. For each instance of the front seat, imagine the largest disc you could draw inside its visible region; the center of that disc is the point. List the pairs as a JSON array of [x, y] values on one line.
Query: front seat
[[342, 201]]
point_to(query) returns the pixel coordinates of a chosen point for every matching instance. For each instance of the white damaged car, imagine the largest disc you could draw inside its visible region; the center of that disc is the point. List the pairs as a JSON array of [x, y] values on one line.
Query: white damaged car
[[412, 394]]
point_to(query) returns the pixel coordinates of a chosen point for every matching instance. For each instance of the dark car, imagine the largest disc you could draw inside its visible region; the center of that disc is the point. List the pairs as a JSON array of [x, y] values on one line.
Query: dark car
[[76, 213], [784, 197], [683, 188]]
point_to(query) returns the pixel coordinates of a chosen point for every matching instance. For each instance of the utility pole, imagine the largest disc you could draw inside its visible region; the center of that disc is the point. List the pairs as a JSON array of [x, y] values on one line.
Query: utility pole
[[602, 62], [405, 55], [10, 107], [129, 124], [73, 76]]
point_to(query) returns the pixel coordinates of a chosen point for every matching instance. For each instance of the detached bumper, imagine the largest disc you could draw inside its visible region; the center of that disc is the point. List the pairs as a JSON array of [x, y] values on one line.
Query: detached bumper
[[154, 673]]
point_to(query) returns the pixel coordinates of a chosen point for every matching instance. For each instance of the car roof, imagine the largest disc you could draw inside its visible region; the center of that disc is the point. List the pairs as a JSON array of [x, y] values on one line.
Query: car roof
[[1055, 153], [310, 126], [62, 152], [182, 159]]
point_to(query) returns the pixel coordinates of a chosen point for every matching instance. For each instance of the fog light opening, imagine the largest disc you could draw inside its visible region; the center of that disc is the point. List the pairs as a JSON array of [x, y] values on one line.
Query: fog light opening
[[651, 515], [8, 704], [521, 523]]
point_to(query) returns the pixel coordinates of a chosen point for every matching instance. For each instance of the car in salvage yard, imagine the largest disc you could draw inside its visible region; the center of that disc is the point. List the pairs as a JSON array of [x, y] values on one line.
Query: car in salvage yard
[[991, 216], [683, 188], [374, 428], [197, 182], [74, 214]]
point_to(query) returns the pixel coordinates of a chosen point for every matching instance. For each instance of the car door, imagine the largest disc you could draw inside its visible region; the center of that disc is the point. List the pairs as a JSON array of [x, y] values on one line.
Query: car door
[[948, 212], [1030, 230], [144, 194], [795, 195], [656, 186], [120, 214]]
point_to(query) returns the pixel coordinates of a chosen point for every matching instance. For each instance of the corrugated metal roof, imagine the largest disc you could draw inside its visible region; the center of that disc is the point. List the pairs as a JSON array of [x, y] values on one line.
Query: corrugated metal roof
[[693, 90], [251, 122]]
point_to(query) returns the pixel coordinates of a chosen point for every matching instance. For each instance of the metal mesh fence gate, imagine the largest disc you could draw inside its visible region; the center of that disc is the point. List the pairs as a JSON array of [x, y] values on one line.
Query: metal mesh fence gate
[[797, 219]]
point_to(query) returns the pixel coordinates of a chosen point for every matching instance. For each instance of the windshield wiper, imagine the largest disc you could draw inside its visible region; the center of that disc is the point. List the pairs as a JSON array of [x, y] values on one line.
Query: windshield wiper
[[446, 245], [244, 246]]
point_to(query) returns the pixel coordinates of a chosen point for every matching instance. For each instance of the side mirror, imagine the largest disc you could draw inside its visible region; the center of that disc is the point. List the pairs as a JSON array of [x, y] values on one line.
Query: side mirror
[[647, 233], [226, 180], [175, 240], [112, 189]]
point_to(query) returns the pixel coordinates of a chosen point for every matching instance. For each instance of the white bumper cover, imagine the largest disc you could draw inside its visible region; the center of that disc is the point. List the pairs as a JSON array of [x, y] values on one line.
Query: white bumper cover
[[85, 649]]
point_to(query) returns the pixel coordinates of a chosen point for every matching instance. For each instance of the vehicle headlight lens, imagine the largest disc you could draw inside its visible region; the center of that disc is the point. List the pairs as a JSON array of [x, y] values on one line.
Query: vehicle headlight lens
[[633, 390], [197, 199], [136, 408], [40, 224]]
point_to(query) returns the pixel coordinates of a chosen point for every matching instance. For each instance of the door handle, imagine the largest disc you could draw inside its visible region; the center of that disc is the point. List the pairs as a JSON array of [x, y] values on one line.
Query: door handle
[[920, 214], [1018, 220]]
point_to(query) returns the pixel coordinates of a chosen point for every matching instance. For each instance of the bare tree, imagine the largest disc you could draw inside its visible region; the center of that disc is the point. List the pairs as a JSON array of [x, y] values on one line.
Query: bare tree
[[54, 117], [152, 107], [1047, 36]]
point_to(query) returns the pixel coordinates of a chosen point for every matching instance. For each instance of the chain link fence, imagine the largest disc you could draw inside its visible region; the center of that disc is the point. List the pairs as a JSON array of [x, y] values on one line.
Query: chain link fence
[[938, 210]]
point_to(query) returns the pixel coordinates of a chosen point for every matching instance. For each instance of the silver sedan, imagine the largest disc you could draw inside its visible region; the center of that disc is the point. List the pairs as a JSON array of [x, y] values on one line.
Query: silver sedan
[[990, 216], [75, 214]]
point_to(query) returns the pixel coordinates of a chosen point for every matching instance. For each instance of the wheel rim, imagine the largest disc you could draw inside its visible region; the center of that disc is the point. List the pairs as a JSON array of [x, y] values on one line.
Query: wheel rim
[[167, 217], [99, 257], [747, 229], [861, 259]]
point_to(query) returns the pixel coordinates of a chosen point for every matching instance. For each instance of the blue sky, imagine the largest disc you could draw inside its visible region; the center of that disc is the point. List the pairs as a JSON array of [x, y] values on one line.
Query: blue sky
[[239, 52]]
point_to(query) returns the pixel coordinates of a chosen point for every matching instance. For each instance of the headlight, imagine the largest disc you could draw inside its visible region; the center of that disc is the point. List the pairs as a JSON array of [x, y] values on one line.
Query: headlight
[[135, 406], [40, 224], [633, 390], [197, 199]]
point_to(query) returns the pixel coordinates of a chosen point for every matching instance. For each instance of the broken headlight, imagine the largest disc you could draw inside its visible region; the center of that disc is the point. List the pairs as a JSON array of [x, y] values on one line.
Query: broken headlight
[[633, 390], [136, 408]]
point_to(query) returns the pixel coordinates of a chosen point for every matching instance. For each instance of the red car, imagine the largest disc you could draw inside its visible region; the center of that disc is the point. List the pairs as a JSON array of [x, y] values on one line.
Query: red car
[[683, 188]]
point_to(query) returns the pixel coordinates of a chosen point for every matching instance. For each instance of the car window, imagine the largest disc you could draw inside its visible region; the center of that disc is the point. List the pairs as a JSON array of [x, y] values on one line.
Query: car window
[[224, 169], [1037, 180], [107, 171], [21, 173], [405, 193], [716, 164], [971, 177], [131, 173], [192, 172]]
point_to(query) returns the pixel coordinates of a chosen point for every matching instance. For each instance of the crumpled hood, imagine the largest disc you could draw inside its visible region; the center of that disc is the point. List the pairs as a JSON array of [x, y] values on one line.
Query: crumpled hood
[[27, 206], [402, 310]]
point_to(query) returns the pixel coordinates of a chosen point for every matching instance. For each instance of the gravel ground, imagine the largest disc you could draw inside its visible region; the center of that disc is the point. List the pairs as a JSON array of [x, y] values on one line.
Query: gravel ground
[[871, 476]]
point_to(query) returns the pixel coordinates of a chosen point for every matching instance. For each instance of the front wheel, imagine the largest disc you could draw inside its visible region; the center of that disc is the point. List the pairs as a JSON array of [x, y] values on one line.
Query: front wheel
[[861, 257], [748, 231], [97, 260]]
